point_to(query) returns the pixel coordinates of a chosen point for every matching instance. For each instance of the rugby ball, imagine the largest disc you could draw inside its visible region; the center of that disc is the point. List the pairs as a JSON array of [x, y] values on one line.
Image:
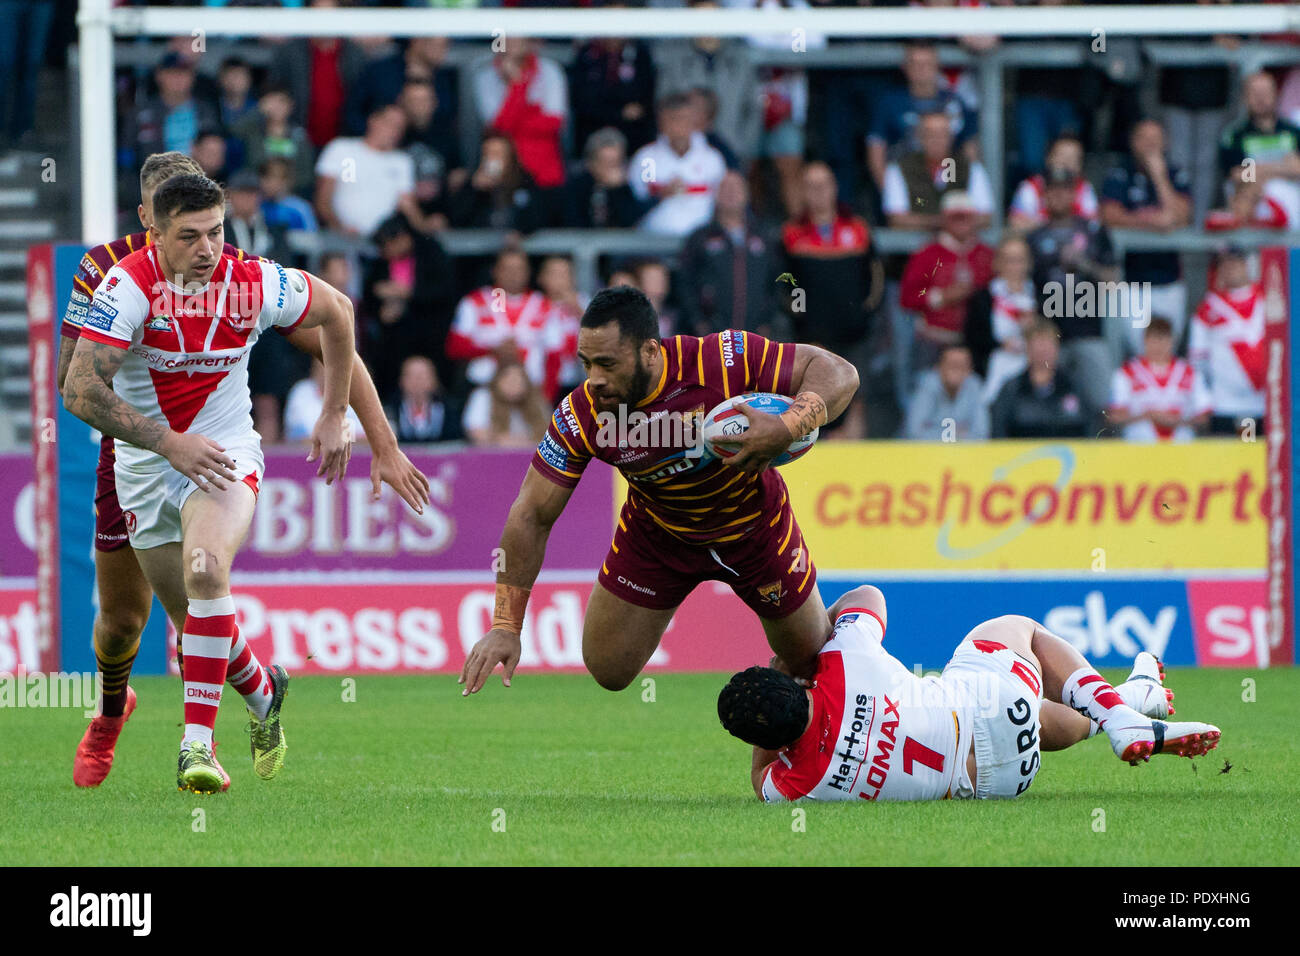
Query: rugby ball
[[725, 422]]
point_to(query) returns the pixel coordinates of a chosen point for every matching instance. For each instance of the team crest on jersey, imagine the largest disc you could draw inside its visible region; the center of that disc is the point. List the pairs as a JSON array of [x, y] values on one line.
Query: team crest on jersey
[[159, 323], [108, 286], [772, 593]]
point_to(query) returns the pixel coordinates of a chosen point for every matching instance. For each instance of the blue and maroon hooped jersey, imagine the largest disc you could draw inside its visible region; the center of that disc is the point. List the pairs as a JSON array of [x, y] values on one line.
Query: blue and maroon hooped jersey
[[697, 499]]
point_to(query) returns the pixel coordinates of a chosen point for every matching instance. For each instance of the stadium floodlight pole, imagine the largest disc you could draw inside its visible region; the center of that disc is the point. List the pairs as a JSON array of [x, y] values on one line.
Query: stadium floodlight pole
[[98, 149]]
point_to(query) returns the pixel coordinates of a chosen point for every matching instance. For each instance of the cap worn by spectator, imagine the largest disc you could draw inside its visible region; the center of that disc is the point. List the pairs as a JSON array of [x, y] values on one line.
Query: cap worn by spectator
[[956, 201], [244, 181]]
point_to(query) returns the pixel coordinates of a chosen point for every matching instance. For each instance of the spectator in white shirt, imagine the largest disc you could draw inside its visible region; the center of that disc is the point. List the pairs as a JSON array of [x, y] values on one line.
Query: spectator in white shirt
[[915, 183], [361, 181], [304, 405], [680, 171], [1029, 205]]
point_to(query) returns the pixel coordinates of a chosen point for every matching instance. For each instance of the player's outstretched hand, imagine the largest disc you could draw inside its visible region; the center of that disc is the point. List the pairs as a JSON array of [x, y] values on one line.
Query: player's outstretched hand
[[397, 470], [765, 438], [331, 442], [199, 459], [497, 646]]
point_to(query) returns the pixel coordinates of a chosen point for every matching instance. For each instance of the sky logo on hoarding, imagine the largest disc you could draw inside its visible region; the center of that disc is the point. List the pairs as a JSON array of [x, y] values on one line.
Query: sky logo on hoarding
[[1096, 633]]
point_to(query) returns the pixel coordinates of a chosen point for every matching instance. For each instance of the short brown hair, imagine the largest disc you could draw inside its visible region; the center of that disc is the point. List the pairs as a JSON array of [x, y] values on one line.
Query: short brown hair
[[160, 167], [185, 193], [1159, 325]]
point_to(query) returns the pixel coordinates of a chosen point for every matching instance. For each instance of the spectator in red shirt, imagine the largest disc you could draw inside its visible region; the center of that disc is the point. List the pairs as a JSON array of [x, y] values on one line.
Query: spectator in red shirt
[[836, 283], [941, 278], [318, 71], [527, 98]]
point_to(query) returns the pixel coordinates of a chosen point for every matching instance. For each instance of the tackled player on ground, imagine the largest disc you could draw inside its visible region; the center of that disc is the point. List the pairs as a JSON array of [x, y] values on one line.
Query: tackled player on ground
[[867, 727]]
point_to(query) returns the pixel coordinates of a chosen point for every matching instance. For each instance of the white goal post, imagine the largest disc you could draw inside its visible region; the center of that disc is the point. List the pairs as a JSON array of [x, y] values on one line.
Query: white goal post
[[99, 24]]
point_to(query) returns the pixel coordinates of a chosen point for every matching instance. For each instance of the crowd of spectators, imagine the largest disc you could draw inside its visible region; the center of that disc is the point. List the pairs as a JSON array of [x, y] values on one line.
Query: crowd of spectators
[[774, 180]]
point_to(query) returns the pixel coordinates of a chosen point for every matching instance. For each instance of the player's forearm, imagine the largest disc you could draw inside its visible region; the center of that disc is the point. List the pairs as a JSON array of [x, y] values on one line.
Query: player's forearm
[[523, 547], [758, 768], [98, 406], [66, 348], [364, 399]]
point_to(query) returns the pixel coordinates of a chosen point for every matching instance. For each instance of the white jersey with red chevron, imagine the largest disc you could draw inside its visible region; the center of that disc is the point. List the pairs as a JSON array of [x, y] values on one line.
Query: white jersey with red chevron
[[653, 168], [1030, 199], [878, 731], [187, 353], [488, 317], [1226, 343], [1140, 387]]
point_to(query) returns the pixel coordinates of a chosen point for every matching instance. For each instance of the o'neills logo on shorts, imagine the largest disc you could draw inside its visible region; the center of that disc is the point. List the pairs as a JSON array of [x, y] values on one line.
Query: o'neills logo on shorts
[[635, 587]]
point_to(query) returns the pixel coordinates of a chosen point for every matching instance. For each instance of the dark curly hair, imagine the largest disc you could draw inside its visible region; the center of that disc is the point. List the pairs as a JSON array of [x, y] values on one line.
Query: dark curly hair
[[764, 707], [629, 307]]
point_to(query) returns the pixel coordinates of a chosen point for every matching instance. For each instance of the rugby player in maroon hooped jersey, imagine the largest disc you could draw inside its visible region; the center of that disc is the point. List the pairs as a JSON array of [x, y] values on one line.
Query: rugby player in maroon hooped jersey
[[688, 517], [124, 593], [162, 365]]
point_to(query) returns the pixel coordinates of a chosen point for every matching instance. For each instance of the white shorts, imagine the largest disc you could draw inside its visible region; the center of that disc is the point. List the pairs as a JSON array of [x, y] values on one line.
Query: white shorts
[[1004, 691], [151, 498]]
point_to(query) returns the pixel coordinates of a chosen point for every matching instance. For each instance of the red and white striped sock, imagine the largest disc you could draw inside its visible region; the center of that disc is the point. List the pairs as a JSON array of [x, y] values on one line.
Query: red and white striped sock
[[1087, 692], [247, 676], [205, 643]]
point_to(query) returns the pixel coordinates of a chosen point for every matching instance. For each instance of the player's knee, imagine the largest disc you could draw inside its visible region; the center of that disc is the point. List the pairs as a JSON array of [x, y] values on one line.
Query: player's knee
[[116, 629], [609, 675], [206, 580]]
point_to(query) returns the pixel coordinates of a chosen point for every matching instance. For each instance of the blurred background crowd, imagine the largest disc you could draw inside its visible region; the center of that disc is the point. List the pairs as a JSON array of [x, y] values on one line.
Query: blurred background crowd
[[355, 158]]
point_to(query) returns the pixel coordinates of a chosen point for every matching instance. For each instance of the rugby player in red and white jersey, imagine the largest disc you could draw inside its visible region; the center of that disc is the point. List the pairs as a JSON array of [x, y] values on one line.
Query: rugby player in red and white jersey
[[162, 366], [868, 728], [689, 517], [124, 594]]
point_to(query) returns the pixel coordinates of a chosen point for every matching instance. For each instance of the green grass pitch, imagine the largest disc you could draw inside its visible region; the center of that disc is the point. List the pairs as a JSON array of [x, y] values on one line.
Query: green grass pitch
[[557, 771]]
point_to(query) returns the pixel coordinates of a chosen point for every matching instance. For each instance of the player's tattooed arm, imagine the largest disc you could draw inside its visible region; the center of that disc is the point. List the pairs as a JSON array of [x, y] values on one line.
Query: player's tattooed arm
[[806, 412], [66, 347], [88, 394]]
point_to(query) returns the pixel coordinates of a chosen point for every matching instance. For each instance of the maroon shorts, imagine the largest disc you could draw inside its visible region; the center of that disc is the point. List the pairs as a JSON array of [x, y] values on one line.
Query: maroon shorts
[[110, 525], [769, 568]]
